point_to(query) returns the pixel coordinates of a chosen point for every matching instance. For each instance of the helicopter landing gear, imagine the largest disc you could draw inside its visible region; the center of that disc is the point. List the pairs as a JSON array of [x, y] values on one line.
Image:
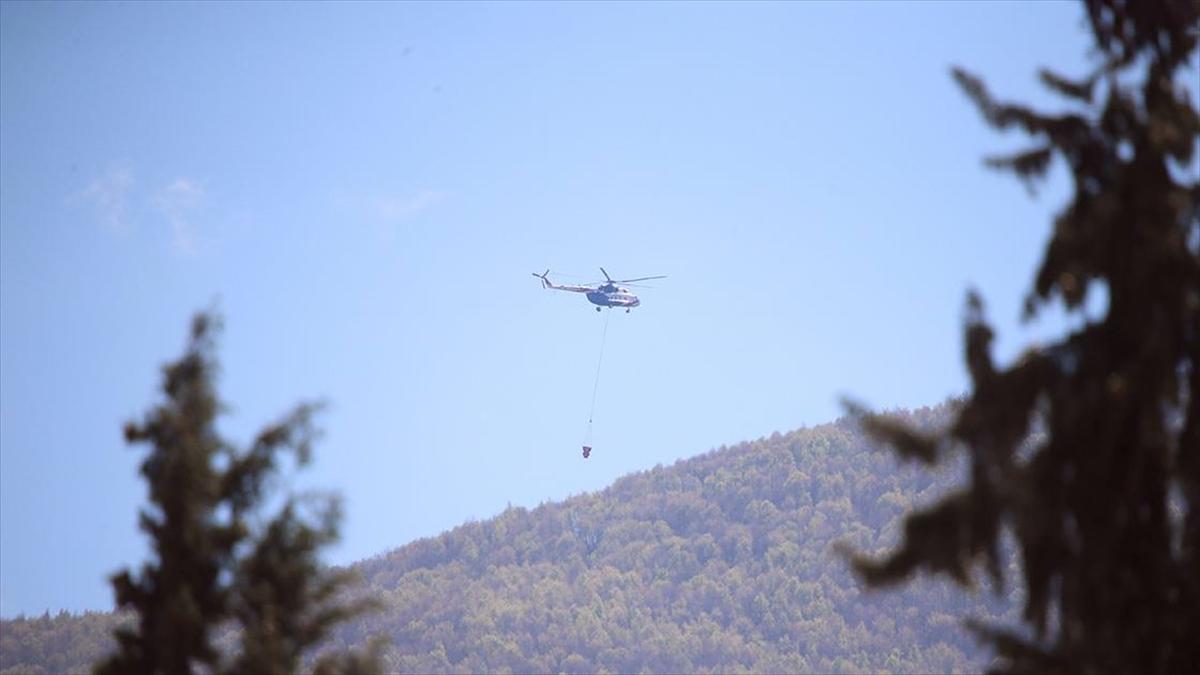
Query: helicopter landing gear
[[627, 311], [597, 309]]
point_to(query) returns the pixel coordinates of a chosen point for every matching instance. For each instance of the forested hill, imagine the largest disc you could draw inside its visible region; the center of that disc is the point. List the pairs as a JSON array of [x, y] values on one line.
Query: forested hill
[[720, 562]]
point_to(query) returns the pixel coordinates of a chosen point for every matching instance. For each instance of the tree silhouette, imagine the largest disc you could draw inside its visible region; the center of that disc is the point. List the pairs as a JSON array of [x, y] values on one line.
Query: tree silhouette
[[1105, 502], [210, 566]]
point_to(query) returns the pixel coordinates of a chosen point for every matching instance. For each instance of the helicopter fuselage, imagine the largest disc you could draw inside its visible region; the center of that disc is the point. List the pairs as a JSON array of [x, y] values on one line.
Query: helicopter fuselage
[[613, 297]]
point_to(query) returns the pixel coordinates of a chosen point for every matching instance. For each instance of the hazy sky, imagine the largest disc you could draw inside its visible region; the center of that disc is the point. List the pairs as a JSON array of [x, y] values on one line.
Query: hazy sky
[[363, 190]]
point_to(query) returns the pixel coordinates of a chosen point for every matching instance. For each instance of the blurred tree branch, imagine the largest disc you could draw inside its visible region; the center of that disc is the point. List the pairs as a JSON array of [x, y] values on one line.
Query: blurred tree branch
[[1106, 508]]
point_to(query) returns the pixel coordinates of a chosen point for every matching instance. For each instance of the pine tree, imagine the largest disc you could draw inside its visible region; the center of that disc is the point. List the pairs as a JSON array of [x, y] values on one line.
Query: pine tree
[[1103, 502], [209, 565]]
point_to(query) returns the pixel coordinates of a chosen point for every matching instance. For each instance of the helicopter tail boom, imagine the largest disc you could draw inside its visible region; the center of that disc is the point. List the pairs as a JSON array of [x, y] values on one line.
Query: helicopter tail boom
[[546, 283]]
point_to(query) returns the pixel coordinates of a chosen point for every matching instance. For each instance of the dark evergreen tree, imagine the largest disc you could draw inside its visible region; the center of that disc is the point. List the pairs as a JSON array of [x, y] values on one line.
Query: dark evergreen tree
[[204, 494], [286, 604], [1104, 501]]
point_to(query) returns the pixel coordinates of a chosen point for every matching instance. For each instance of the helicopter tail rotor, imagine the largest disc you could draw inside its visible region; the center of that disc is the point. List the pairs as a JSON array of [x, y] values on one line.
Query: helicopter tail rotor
[[542, 276]]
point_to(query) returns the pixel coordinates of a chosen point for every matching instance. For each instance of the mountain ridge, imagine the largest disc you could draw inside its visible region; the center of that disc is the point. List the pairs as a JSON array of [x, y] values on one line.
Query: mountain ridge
[[721, 561]]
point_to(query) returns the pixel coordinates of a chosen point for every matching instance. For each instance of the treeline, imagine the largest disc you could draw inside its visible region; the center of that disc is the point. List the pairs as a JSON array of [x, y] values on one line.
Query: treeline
[[59, 644], [721, 562]]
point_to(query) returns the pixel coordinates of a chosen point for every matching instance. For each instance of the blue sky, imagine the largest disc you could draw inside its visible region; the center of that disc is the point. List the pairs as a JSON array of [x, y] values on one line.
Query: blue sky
[[363, 190]]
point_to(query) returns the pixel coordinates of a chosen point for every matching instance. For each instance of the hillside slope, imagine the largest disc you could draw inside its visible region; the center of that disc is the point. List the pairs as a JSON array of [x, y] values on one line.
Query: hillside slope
[[720, 562]]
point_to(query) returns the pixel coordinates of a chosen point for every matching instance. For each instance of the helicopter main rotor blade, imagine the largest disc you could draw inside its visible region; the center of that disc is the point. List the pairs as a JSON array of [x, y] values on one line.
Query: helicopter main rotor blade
[[626, 281], [610, 279]]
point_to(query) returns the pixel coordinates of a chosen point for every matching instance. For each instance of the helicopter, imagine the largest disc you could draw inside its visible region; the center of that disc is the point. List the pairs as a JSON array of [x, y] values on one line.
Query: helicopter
[[606, 294]]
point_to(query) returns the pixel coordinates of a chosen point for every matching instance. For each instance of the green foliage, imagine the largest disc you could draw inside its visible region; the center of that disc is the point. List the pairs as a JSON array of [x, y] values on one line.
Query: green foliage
[[1105, 505], [720, 563], [179, 598], [286, 603], [63, 644], [203, 495]]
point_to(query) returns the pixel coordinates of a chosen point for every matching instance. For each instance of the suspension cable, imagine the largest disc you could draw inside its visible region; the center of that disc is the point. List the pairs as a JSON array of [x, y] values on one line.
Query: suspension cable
[[587, 439], [599, 362]]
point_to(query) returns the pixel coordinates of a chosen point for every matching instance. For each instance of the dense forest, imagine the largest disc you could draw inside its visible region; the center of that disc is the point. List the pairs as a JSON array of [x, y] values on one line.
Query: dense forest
[[725, 561]]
